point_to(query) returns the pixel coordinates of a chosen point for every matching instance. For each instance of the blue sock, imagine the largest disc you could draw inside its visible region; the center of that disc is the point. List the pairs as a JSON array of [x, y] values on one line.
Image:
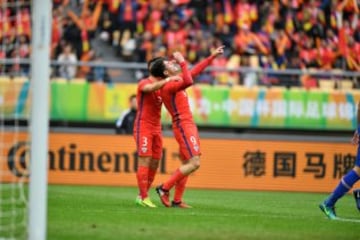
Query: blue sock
[[344, 186]]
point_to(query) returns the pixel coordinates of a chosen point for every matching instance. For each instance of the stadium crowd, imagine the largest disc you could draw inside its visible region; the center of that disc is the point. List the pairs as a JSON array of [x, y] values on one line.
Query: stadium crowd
[[273, 34]]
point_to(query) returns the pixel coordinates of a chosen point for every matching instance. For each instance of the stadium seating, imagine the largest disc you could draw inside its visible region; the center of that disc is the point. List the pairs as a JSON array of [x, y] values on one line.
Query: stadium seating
[[327, 84], [268, 39], [345, 84]]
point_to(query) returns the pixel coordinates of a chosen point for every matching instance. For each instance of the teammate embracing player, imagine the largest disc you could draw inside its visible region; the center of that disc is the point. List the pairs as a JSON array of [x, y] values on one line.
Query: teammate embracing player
[[147, 133], [185, 131]]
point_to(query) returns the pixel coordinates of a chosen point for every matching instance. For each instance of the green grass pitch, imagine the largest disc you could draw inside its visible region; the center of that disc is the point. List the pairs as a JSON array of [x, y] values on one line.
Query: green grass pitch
[[82, 212]]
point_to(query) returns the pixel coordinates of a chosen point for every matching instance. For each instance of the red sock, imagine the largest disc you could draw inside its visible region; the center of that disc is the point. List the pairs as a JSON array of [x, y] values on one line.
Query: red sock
[[142, 175], [180, 188], [151, 177], [176, 177]]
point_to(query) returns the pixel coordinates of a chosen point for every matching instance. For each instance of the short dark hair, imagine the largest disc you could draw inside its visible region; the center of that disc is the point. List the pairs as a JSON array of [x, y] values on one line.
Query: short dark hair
[[152, 61], [157, 68]]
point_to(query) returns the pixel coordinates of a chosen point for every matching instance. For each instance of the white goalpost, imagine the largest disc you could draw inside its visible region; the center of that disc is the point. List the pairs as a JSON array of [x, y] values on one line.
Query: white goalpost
[[39, 122]]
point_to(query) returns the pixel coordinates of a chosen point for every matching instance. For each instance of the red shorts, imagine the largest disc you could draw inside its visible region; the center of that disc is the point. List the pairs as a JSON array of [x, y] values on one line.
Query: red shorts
[[188, 138], [149, 144]]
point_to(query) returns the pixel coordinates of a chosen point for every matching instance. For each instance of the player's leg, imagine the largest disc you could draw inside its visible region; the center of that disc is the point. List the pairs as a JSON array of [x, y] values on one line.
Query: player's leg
[[179, 190], [154, 164], [192, 135], [177, 177], [157, 155], [144, 150], [181, 184], [188, 140], [345, 184], [142, 176]]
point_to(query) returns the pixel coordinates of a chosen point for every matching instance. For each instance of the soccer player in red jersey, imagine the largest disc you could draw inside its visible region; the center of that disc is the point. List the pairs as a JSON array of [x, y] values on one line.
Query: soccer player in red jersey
[[184, 128], [147, 132]]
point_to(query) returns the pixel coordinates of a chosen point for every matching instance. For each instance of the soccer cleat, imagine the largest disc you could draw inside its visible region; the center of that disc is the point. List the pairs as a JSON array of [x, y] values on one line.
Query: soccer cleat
[[139, 202], [180, 205], [148, 203], [164, 196], [357, 198], [329, 211]]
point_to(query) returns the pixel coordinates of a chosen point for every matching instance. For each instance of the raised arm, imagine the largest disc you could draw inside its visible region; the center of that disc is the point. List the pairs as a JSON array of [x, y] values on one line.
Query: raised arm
[[186, 74], [96, 15], [84, 7], [187, 78], [199, 67], [75, 19]]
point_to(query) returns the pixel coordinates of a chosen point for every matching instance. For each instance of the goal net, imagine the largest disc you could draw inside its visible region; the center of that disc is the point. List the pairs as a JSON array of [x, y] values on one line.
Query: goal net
[[13, 110], [20, 29]]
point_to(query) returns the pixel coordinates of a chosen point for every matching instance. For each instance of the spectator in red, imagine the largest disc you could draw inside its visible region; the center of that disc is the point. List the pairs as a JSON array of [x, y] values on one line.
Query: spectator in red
[[327, 55], [127, 17], [245, 13], [246, 42], [56, 31], [175, 37], [308, 54], [113, 5], [5, 23], [22, 22], [153, 22], [145, 47], [87, 22], [353, 55]]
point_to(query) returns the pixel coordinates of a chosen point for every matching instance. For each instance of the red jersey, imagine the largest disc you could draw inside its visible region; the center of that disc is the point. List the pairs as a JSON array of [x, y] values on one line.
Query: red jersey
[[149, 108], [174, 96], [327, 56], [308, 55]]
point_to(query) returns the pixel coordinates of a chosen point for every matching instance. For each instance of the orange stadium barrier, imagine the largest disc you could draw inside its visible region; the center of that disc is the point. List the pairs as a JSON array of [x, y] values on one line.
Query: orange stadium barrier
[[92, 159]]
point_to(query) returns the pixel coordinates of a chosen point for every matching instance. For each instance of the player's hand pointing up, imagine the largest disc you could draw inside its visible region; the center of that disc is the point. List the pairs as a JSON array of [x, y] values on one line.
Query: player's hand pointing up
[[218, 51]]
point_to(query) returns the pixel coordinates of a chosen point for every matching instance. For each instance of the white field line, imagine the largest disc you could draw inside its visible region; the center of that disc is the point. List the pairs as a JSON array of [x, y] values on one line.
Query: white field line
[[173, 211], [348, 220]]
